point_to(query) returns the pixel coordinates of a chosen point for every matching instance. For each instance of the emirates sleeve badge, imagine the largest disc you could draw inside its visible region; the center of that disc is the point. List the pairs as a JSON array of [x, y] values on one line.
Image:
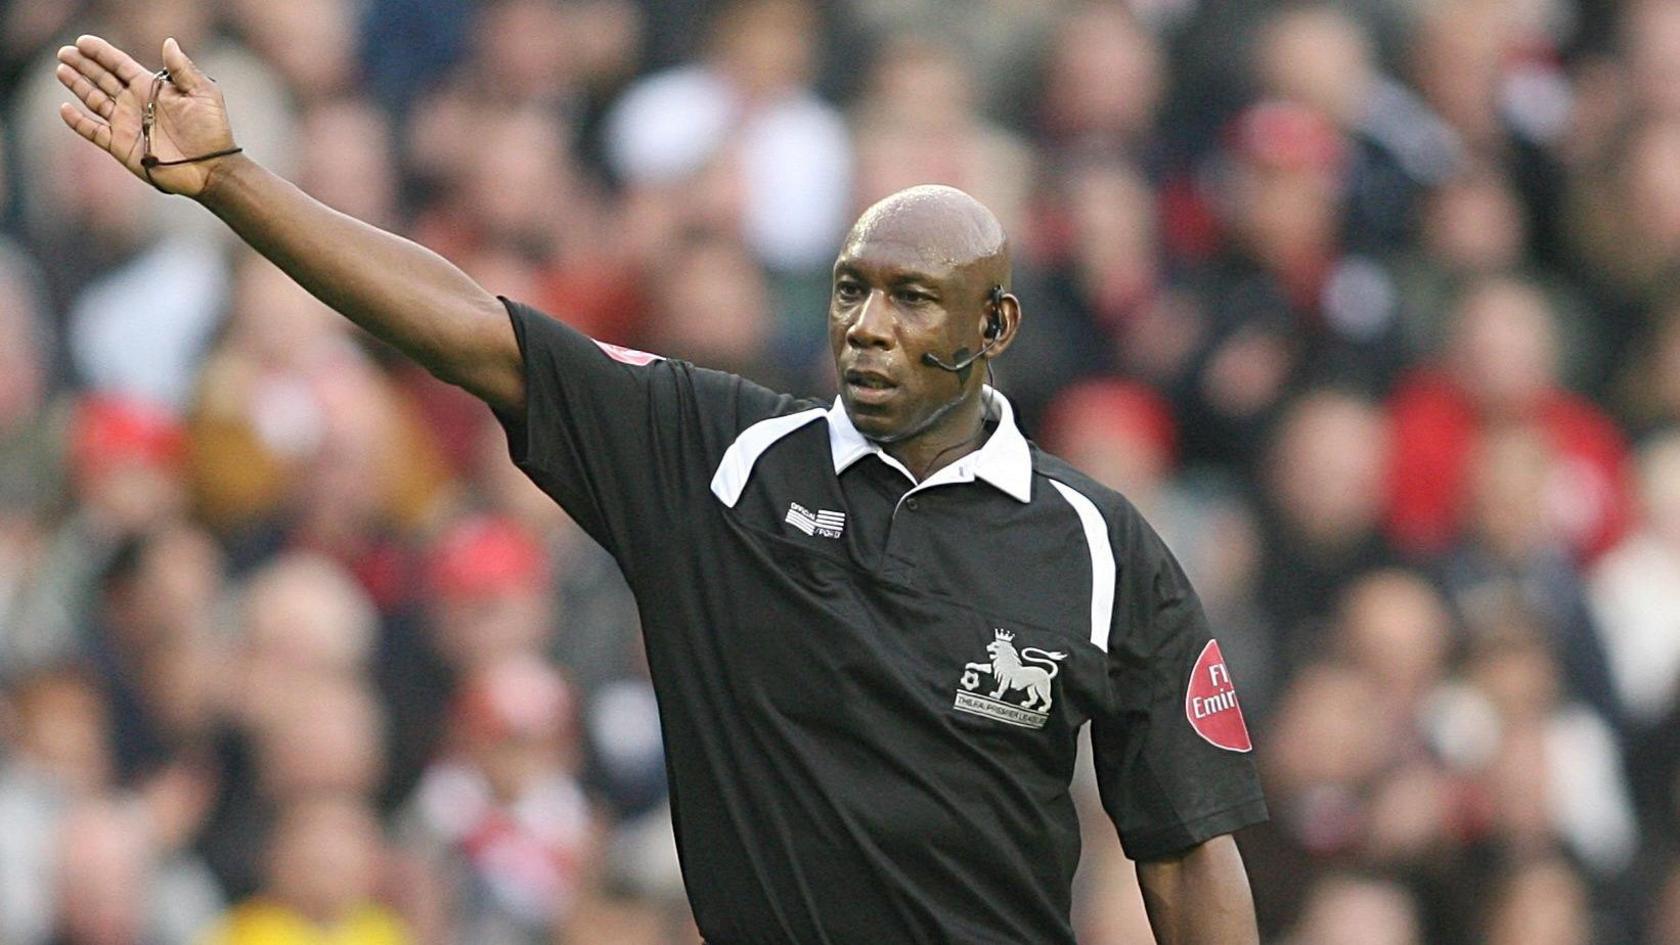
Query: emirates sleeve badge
[[625, 355], [1210, 702]]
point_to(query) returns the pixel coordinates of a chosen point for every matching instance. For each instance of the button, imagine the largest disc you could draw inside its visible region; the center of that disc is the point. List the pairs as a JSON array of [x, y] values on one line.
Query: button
[[911, 504]]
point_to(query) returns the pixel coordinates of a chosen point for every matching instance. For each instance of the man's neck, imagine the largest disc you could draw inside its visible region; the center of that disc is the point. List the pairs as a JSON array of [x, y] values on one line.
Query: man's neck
[[932, 451]]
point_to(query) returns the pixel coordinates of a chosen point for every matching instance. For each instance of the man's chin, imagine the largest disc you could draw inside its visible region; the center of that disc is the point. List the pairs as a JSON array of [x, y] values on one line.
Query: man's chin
[[874, 422]]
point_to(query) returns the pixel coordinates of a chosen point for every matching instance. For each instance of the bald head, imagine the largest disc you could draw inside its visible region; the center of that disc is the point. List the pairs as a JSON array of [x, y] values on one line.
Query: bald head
[[938, 227]]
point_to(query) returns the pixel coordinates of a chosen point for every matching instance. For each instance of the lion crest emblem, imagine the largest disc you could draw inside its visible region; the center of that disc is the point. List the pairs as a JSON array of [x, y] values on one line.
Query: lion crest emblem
[[1027, 670]]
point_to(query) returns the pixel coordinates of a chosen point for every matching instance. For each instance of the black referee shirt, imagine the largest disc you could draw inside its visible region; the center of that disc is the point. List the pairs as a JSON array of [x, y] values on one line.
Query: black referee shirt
[[871, 688]]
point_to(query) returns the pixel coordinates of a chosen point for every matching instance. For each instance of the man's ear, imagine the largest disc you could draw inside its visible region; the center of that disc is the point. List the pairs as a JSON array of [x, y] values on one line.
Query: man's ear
[[1006, 315]]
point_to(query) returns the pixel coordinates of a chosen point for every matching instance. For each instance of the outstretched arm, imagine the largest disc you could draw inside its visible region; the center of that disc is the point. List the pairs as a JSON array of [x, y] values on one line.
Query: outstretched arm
[[394, 288], [1200, 896]]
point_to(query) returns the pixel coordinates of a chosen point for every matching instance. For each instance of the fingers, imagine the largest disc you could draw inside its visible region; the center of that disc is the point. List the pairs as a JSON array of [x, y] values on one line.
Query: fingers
[[182, 72], [91, 95], [104, 78], [86, 125], [119, 63]]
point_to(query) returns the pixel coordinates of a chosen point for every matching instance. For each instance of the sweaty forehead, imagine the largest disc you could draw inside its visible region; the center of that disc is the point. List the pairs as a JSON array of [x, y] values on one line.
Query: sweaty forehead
[[932, 229]]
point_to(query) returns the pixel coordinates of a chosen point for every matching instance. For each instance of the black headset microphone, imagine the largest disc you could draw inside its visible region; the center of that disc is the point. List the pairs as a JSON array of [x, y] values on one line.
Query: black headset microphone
[[961, 360]]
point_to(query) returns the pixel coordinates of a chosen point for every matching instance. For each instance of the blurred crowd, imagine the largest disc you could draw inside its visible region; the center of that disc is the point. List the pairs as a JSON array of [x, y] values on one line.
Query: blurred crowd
[[1366, 305]]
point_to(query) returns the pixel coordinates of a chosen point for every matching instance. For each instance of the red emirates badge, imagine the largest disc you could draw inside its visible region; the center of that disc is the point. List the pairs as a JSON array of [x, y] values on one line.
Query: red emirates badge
[[627, 355], [1210, 702]]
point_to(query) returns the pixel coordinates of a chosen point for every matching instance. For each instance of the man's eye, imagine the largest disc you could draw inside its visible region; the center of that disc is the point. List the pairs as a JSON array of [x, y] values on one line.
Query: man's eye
[[848, 291], [912, 297]]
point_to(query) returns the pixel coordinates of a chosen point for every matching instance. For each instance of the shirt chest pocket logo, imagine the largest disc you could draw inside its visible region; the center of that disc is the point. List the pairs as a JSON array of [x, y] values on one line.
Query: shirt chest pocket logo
[[821, 522], [1020, 690]]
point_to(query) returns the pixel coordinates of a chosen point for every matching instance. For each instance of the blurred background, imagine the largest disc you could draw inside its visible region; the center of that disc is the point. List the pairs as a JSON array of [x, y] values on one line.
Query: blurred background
[[1371, 307]]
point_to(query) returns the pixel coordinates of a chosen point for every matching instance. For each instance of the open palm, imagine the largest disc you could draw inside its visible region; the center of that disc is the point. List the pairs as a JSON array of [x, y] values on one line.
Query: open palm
[[190, 119]]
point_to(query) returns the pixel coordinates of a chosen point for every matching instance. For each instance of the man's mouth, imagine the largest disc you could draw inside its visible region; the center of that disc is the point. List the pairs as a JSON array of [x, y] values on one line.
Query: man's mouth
[[869, 386], [869, 379]]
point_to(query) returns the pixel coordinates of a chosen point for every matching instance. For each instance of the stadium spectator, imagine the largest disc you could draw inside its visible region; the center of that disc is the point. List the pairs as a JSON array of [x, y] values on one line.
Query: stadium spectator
[[1625, 228], [302, 618], [1662, 919], [1346, 909], [1513, 558], [1120, 434], [486, 579], [711, 304], [151, 638], [345, 159], [116, 886], [1648, 389], [1649, 33], [1326, 755], [274, 403], [311, 43], [601, 642], [1540, 902], [57, 754], [28, 451], [1106, 298], [372, 475], [123, 471], [625, 773], [499, 818], [31, 451], [323, 868], [327, 739], [1635, 594], [747, 113], [1555, 775], [1395, 626], [1103, 84], [1287, 303], [487, 597], [1500, 367], [920, 118], [1321, 512], [1322, 57]]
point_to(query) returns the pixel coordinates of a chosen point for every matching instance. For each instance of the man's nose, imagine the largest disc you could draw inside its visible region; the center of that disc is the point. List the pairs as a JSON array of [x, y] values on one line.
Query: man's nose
[[873, 326]]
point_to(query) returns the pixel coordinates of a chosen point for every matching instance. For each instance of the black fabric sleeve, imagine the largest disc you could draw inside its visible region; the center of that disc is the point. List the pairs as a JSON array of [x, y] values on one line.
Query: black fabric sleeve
[[626, 442], [1165, 786]]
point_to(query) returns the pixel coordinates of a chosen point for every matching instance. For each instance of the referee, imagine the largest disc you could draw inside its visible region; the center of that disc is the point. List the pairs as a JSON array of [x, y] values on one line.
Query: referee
[[875, 627]]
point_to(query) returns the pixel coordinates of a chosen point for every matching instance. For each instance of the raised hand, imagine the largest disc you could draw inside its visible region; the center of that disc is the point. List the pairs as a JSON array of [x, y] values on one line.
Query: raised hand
[[189, 118], [400, 291]]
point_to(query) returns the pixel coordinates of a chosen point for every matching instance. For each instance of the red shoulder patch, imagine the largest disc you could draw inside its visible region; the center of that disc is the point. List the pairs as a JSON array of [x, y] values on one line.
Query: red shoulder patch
[[627, 355], [1210, 702]]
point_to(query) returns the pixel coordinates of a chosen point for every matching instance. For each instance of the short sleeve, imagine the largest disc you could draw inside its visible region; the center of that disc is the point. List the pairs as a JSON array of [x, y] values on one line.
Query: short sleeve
[[623, 440], [1172, 754]]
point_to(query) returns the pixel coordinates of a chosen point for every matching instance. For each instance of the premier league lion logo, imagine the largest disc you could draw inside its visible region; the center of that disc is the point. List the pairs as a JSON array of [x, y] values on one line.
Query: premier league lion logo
[[1010, 673]]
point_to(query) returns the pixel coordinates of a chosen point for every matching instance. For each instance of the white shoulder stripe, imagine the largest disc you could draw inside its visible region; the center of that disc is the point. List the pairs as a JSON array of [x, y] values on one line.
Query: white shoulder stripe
[[736, 467], [1102, 561]]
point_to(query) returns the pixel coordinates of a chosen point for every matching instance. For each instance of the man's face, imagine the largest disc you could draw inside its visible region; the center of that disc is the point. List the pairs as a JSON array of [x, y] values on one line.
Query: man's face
[[890, 305]]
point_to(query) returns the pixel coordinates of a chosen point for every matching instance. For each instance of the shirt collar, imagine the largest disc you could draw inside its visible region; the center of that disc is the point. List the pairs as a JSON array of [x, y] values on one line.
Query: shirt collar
[[1003, 460]]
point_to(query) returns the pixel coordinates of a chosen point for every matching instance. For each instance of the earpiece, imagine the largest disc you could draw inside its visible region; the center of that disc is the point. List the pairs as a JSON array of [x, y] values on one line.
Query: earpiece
[[994, 316]]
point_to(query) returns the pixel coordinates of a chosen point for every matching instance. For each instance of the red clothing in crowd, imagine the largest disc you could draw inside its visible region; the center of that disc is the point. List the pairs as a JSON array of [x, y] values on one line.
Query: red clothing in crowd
[[1437, 428]]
